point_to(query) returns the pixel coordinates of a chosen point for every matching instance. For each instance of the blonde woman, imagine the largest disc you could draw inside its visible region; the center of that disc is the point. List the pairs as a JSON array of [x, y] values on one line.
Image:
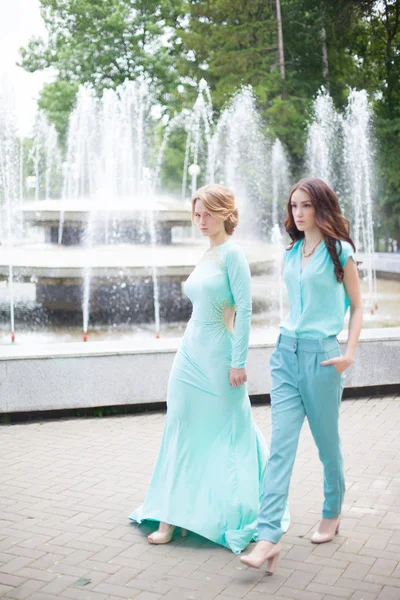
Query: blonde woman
[[209, 473]]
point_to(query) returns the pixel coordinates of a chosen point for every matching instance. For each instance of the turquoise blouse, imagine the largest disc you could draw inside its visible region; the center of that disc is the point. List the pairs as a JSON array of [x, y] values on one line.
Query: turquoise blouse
[[317, 302]]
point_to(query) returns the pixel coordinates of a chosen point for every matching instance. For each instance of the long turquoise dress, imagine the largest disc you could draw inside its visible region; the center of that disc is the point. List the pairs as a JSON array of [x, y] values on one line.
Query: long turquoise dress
[[209, 473]]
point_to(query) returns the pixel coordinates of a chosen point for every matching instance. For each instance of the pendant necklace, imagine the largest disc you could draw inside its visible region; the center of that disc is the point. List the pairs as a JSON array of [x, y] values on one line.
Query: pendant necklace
[[312, 251]]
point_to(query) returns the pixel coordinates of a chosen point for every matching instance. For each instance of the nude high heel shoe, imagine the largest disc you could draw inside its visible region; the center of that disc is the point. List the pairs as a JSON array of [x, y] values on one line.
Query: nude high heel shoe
[[322, 538], [164, 537], [257, 558]]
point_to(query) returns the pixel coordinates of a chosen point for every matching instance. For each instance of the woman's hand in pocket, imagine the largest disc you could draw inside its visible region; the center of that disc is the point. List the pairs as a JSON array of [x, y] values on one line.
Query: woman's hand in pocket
[[340, 363]]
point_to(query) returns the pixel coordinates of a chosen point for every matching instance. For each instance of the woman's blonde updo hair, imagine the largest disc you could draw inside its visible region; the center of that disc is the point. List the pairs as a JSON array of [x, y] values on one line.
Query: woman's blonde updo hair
[[220, 203]]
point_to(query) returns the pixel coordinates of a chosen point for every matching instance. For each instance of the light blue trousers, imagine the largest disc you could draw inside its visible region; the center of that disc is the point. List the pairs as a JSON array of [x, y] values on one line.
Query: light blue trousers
[[302, 387]]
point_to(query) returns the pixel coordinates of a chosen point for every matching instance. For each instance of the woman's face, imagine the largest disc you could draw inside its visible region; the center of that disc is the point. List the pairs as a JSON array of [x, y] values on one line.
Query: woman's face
[[208, 225], [303, 211]]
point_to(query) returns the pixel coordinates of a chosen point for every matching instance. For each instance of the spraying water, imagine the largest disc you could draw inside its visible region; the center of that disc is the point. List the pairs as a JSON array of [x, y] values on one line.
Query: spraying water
[[80, 175], [246, 166], [107, 157], [10, 156], [280, 181], [11, 190], [339, 150], [46, 157], [151, 185], [277, 241], [280, 189], [358, 154], [198, 139], [108, 162], [324, 140], [234, 151]]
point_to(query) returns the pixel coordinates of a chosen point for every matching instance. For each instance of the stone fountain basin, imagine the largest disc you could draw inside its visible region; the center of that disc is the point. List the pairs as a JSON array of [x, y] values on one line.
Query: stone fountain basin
[[166, 210], [177, 260]]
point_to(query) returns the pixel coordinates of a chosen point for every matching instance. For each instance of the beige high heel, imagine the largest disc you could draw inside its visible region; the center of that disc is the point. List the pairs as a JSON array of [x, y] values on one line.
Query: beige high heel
[[322, 538], [257, 558], [164, 537]]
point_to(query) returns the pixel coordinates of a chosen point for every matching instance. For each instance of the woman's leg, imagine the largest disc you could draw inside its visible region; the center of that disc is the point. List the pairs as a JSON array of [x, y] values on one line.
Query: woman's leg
[[287, 419], [322, 391]]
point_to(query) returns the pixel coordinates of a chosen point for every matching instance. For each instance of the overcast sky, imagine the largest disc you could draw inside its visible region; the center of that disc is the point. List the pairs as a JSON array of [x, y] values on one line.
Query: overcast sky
[[20, 19]]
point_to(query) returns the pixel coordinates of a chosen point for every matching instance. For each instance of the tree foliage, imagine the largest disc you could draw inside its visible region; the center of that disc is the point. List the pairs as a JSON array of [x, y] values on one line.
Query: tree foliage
[[174, 43], [103, 43]]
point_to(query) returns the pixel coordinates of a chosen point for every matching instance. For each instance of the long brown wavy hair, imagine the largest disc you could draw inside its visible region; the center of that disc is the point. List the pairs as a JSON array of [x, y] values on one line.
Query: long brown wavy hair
[[328, 216]]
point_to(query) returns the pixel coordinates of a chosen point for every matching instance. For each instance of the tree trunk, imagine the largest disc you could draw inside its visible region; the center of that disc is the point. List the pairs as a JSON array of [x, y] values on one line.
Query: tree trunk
[[325, 64], [391, 31], [280, 40]]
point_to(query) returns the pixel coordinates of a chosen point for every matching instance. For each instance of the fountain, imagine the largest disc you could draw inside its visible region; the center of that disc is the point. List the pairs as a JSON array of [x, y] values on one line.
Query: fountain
[[339, 150], [280, 187], [99, 243], [279, 248], [324, 141], [107, 250], [11, 192], [358, 155], [240, 157], [46, 158], [10, 174], [200, 121], [280, 182], [96, 238]]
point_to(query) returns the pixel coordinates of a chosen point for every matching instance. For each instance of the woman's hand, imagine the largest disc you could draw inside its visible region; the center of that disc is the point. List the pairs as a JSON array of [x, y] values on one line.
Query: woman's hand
[[341, 363], [237, 377]]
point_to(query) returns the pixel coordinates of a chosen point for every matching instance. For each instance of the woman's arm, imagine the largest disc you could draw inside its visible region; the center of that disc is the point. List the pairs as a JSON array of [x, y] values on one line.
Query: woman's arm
[[352, 284], [240, 284]]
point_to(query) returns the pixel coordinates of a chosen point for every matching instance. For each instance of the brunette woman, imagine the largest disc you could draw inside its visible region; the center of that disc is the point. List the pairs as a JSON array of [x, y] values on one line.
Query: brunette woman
[[307, 368]]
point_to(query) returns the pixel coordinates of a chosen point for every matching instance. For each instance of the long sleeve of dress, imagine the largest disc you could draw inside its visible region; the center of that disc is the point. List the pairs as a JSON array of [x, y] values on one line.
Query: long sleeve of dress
[[240, 284]]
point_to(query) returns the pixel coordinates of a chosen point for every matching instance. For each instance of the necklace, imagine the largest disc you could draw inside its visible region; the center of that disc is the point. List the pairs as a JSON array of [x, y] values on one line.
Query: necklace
[[312, 251]]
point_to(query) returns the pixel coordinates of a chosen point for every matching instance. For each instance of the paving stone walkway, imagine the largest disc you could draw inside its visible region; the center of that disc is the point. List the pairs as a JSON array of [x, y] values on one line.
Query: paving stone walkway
[[67, 487]]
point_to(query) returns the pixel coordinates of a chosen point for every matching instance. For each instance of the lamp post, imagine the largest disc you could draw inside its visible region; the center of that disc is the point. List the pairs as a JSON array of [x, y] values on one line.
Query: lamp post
[[194, 172]]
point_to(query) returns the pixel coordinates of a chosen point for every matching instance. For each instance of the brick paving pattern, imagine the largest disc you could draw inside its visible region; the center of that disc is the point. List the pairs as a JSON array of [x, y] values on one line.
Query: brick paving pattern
[[68, 486]]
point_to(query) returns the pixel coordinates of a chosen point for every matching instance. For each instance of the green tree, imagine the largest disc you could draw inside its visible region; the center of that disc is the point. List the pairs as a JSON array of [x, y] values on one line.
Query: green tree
[[376, 41], [230, 43], [174, 43], [235, 42], [57, 100], [342, 44], [388, 114], [103, 43]]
